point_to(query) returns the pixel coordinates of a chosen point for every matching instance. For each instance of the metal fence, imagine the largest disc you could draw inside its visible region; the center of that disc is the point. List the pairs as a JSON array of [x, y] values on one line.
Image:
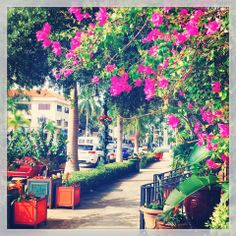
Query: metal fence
[[160, 188]]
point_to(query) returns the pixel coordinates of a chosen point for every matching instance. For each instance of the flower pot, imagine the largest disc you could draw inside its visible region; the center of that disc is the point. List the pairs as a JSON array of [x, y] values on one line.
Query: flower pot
[[30, 212], [162, 225], [158, 156], [12, 195], [200, 205], [68, 196], [150, 216]]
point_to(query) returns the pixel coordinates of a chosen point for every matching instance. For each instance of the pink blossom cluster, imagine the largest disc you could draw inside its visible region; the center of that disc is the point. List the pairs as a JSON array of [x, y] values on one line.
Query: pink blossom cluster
[[164, 65], [102, 16], [95, 79], [157, 19], [110, 67], [202, 138], [154, 35], [212, 27], [224, 130], [207, 116], [119, 85], [76, 41], [66, 72], [138, 82], [212, 165], [76, 11], [216, 87], [42, 35], [163, 82], [147, 70], [153, 51], [56, 48], [225, 158], [149, 88], [173, 121]]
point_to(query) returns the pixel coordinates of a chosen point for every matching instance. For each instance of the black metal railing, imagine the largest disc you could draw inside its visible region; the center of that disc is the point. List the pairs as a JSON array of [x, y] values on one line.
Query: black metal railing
[[161, 187]]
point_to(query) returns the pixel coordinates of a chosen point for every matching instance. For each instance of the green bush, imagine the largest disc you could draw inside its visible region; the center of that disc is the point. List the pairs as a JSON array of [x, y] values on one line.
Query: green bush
[[181, 154], [101, 175]]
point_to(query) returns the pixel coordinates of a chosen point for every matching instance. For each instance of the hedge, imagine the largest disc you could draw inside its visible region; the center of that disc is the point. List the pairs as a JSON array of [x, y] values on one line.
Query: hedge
[[146, 161], [101, 175]]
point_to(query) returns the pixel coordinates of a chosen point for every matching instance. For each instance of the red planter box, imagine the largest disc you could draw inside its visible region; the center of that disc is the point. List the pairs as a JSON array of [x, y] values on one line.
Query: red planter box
[[30, 212], [158, 156], [68, 196]]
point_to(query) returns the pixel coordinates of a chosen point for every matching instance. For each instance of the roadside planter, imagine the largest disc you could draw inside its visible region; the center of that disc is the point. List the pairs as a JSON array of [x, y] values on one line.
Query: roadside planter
[[12, 195], [68, 196], [31, 212], [150, 216], [45, 187]]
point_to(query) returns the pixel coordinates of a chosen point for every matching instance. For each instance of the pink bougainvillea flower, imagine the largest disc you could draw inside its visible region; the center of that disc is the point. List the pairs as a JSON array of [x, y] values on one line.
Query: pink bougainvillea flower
[[200, 139], [173, 121], [167, 9], [95, 79], [56, 48], [145, 70], [47, 28], [119, 85], [179, 103], [180, 38], [163, 82], [225, 158], [190, 106], [216, 87], [46, 43], [224, 130], [75, 62], [218, 113], [212, 27], [196, 128], [157, 19], [153, 51], [87, 15], [192, 30], [149, 88], [102, 16], [67, 72], [212, 165], [181, 93], [207, 116], [183, 12], [138, 82], [69, 55], [110, 67], [152, 36], [41, 35], [211, 146], [57, 75]]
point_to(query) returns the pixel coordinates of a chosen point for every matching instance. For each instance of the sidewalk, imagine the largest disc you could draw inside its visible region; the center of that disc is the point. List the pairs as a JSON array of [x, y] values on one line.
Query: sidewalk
[[114, 206]]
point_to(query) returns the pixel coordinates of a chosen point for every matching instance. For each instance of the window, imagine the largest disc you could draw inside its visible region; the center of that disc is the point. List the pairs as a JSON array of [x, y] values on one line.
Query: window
[[58, 122], [44, 106], [66, 124], [66, 110], [85, 147], [59, 108]]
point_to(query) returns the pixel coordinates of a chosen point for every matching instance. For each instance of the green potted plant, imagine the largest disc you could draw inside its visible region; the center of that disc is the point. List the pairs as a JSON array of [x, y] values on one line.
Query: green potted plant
[[158, 154], [172, 220], [135, 159], [150, 212]]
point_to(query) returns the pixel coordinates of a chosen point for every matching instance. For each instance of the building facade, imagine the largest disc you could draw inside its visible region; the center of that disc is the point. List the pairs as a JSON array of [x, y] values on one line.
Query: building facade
[[44, 105]]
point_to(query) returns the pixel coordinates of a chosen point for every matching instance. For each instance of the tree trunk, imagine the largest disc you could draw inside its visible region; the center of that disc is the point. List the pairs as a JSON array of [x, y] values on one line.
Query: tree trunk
[[72, 146], [86, 125], [119, 157], [136, 137]]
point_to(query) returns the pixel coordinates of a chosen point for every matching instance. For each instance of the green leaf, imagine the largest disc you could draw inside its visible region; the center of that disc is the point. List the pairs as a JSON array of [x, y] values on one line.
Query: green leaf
[[187, 188], [198, 154]]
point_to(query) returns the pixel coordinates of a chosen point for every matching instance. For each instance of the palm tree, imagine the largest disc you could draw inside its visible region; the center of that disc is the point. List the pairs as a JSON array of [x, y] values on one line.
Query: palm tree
[[16, 120], [72, 145], [87, 105]]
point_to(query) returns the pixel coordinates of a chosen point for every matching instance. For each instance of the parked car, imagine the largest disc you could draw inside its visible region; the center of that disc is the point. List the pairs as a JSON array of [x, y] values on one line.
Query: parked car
[[111, 155], [89, 151]]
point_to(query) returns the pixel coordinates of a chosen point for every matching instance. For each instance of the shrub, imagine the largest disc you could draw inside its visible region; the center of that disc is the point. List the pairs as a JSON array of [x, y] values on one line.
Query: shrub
[[181, 154], [101, 175]]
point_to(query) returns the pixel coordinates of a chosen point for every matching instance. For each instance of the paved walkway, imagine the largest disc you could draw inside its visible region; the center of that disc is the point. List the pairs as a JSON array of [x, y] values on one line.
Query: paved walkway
[[114, 206]]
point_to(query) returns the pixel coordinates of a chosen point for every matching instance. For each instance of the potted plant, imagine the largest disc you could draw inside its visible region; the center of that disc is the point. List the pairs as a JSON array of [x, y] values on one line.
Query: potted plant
[[158, 154], [136, 160], [150, 212], [68, 195], [171, 220], [29, 210]]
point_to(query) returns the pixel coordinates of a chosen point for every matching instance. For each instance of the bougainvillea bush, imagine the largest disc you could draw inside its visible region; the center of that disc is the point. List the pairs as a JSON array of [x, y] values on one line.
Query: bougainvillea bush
[[178, 55]]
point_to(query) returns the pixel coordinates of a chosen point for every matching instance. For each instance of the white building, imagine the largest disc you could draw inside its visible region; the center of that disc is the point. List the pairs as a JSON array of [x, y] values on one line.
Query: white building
[[45, 104]]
